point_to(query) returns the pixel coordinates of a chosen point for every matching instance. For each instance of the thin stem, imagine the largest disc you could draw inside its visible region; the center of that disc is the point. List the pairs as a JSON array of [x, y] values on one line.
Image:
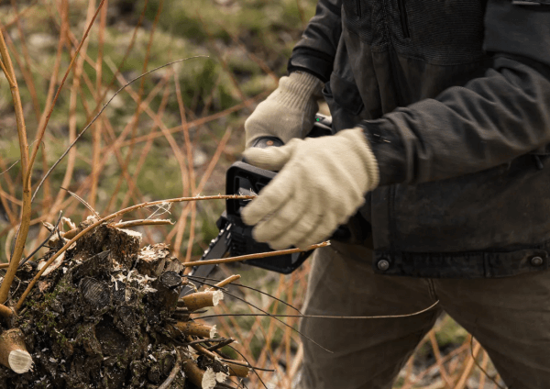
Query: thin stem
[[6, 72], [96, 136], [245, 365], [42, 130], [46, 206], [322, 316], [228, 280], [480, 367], [143, 222], [45, 241], [73, 100], [26, 69], [12, 165], [191, 171], [220, 345], [134, 121], [20, 14], [255, 372], [265, 313], [199, 278], [83, 202], [201, 121], [7, 66]]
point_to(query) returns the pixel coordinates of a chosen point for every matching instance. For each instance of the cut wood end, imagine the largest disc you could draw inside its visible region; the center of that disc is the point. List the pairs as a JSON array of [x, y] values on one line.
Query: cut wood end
[[209, 379], [237, 370], [217, 297], [132, 233], [20, 361], [200, 300], [221, 377], [213, 331]]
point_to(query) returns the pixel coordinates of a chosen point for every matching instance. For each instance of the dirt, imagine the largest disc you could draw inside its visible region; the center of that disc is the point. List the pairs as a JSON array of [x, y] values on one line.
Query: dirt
[[104, 318]]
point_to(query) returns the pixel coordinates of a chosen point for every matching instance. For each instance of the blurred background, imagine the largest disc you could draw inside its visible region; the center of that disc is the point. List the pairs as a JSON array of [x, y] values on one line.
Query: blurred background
[[172, 133]]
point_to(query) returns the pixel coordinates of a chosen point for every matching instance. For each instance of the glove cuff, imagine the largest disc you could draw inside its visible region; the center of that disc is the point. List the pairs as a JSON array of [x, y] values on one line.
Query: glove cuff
[[362, 148], [296, 90]]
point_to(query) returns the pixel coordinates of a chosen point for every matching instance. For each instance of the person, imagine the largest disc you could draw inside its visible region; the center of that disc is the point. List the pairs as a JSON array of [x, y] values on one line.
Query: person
[[439, 166]]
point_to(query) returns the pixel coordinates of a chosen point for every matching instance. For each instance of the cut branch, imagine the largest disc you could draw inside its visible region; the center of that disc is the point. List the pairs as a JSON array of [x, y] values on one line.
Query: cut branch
[[193, 372], [204, 351], [13, 353], [228, 281], [200, 300], [196, 329], [237, 370], [6, 312]]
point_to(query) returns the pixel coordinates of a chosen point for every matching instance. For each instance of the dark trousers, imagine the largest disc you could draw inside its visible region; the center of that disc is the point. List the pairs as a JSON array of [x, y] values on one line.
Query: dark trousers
[[510, 317]]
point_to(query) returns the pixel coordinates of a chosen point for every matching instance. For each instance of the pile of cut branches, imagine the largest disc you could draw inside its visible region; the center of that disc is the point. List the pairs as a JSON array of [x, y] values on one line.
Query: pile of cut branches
[[108, 314]]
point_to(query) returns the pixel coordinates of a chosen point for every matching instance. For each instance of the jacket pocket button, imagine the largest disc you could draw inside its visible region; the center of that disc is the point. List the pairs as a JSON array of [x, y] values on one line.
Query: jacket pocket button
[[383, 265], [537, 261]]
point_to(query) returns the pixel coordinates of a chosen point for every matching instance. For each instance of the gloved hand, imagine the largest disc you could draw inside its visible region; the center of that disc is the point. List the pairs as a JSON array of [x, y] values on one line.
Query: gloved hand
[[288, 112], [322, 183]]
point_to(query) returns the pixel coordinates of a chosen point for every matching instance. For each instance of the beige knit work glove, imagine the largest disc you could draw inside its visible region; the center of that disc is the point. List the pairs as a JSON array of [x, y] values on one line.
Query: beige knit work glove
[[321, 183], [288, 112]]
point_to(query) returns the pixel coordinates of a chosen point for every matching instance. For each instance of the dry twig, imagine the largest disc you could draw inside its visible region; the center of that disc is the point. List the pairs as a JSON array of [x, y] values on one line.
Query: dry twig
[[255, 256]]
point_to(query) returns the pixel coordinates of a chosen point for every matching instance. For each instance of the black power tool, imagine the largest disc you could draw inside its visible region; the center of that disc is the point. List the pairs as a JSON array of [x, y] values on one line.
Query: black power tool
[[235, 237]]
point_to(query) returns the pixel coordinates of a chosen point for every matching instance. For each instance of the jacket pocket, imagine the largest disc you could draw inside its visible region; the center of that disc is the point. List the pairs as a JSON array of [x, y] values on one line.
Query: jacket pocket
[[404, 19], [352, 8], [358, 8]]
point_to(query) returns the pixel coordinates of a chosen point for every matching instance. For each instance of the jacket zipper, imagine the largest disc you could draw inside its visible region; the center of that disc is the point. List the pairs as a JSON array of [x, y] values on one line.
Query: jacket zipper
[[358, 8], [404, 18]]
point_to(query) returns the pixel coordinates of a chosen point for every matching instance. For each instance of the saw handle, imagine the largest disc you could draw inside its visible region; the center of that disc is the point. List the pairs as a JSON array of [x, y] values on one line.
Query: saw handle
[[267, 141], [322, 126]]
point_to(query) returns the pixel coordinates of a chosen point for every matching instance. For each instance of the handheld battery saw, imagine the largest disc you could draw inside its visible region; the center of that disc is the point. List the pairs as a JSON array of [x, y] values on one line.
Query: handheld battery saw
[[235, 237]]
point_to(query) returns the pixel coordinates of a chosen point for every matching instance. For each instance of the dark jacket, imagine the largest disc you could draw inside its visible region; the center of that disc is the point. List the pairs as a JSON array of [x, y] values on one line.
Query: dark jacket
[[454, 97]]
